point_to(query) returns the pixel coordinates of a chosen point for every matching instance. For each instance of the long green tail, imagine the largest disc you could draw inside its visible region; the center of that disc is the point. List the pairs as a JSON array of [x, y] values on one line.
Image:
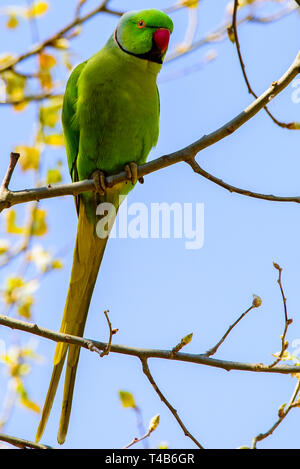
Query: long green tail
[[88, 254]]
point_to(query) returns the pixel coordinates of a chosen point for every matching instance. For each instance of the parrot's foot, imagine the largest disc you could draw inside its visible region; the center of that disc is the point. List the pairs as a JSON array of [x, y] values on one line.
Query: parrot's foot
[[141, 180], [132, 172], [100, 181]]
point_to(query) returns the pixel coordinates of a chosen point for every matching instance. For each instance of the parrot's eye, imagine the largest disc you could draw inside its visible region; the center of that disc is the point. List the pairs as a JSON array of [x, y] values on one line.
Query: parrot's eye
[[141, 24]]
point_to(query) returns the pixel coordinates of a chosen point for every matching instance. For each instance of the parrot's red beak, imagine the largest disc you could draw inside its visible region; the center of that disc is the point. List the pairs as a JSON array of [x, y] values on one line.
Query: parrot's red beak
[[161, 38]]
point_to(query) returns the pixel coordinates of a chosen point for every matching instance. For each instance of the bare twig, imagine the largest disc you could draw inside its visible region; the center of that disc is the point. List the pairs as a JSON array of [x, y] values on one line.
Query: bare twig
[[144, 354], [220, 34], [237, 190], [282, 413], [152, 426], [287, 321], [137, 440], [213, 350], [58, 35], [12, 164], [290, 125], [111, 333], [30, 98], [146, 371]]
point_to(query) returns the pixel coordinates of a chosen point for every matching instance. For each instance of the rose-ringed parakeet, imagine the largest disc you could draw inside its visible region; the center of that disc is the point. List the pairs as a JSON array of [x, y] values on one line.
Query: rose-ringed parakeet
[[110, 122]]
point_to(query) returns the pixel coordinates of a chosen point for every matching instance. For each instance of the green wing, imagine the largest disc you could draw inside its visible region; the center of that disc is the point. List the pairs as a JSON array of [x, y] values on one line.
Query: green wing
[[70, 125]]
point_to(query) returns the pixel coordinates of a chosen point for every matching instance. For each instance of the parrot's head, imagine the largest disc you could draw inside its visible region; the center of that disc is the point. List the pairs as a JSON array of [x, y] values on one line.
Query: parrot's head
[[144, 34]]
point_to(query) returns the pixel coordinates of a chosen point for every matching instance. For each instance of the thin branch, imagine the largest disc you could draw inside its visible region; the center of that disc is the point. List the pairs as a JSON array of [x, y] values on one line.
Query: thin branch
[[290, 125], [137, 440], [287, 321], [12, 164], [237, 190], [58, 35], [147, 373], [187, 154], [220, 34], [31, 98], [152, 427], [111, 333], [214, 349], [282, 413], [20, 443], [143, 354]]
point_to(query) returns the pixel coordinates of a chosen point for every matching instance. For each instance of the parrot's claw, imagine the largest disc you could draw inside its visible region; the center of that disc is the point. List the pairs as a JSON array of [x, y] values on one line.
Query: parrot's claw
[[100, 181], [141, 180], [132, 172]]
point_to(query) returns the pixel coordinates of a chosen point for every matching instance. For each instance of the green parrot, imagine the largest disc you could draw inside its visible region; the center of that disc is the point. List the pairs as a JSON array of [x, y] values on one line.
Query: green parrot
[[110, 122]]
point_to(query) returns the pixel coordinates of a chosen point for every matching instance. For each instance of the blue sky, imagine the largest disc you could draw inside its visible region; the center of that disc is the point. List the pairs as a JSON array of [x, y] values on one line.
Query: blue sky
[[156, 290]]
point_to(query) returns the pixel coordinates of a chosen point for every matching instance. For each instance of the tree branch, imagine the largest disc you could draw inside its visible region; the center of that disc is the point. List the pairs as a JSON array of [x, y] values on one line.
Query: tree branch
[[290, 125], [173, 411], [187, 154], [287, 320], [12, 164], [214, 349], [143, 354], [20, 443], [220, 34], [30, 98], [282, 413], [59, 34]]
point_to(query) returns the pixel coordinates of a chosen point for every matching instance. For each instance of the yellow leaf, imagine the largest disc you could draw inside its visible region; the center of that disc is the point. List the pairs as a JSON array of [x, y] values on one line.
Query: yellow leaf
[[243, 3], [38, 8], [127, 399], [20, 106], [10, 222], [57, 264], [49, 115], [39, 226], [12, 22], [15, 85], [24, 369], [24, 308], [53, 176], [56, 140], [30, 404], [190, 3], [6, 59], [231, 34], [30, 157], [11, 292], [24, 399], [47, 61], [45, 78]]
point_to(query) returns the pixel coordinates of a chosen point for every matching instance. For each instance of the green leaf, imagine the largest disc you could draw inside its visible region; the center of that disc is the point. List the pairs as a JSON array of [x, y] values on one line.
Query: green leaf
[[127, 399]]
